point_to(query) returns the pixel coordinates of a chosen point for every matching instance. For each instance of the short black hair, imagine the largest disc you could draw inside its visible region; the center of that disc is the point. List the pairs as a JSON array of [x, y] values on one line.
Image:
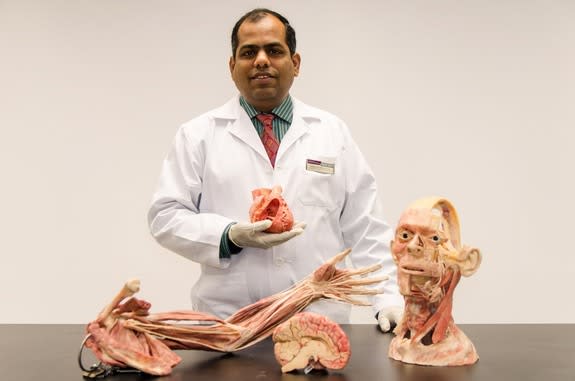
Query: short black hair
[[257, 14]]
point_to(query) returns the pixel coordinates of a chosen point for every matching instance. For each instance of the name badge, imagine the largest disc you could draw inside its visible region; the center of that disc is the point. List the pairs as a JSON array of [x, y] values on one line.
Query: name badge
[[326, 167]]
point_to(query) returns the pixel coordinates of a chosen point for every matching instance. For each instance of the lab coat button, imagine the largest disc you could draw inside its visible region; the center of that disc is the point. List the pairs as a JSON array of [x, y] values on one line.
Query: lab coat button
[[279, 261]]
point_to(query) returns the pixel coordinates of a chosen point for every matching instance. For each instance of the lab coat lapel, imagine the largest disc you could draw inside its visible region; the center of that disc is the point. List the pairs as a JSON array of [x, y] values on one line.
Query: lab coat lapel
[[242, 127], [298, 128]]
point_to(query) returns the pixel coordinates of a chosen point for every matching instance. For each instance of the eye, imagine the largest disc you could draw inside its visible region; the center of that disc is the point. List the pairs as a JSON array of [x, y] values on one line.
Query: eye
[[437, 239], [405, 235], [275, 52], [247, 53]]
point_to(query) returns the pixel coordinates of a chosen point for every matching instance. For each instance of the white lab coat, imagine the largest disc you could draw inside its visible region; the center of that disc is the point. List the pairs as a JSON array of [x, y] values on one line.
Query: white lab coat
[[206, 181]]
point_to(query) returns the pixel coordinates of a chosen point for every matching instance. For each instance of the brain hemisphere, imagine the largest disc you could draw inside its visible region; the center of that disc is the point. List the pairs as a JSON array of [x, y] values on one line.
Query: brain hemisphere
[[309, 339]]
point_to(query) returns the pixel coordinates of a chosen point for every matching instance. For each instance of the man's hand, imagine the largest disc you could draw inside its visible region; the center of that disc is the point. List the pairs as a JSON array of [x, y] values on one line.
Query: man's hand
[[389, 316], [253, 235]]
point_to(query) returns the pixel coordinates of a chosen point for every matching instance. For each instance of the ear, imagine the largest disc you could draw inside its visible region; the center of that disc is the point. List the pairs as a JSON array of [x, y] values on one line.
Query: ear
[[296, 60], [395, 257], [470, 262], [232, 64]]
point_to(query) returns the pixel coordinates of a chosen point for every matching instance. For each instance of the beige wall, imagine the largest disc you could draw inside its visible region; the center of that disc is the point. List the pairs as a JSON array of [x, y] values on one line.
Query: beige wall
[[471, 100]]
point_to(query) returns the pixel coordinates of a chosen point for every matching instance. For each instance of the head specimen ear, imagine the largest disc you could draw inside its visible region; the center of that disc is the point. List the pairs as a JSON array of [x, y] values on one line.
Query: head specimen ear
[[467, 259]]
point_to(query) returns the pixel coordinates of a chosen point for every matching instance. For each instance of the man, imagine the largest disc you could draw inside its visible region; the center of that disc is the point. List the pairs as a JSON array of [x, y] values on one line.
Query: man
[[218, 158]]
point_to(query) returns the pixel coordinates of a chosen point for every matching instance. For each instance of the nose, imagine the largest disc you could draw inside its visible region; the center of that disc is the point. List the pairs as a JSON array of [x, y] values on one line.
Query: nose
[[262, 59], [415, 246]]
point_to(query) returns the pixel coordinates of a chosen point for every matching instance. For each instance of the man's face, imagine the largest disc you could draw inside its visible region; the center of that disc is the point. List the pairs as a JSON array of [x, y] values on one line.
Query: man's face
[[263, 69]]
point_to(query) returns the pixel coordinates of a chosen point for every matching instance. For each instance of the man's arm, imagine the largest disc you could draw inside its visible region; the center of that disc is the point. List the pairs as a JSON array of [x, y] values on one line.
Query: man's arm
[[366, 232], [174, 217]]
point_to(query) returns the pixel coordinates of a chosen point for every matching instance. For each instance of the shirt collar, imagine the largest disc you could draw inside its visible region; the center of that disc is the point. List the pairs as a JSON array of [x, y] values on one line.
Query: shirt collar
[[283, 111]]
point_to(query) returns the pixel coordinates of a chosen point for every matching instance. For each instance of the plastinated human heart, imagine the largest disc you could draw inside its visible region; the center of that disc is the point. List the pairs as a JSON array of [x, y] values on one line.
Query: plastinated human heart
[[268, 204]]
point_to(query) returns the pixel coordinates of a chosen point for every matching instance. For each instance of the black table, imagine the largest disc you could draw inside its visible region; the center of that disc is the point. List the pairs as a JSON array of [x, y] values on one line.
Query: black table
[[506, 352]]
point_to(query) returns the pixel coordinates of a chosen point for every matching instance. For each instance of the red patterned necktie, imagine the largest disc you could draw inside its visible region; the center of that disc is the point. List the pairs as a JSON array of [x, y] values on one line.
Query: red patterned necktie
[[269, 139]]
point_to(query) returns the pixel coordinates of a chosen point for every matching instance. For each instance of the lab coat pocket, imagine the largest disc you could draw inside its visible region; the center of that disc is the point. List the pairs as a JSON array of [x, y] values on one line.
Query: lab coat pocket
[[318, 189], [221, 295]]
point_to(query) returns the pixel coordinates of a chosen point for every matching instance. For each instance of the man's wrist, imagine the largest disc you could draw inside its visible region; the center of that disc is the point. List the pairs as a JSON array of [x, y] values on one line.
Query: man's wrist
[[227, 247]]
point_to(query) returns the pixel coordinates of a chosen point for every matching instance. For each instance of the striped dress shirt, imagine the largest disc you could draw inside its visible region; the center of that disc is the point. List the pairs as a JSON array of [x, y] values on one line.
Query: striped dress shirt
[[280, 124]]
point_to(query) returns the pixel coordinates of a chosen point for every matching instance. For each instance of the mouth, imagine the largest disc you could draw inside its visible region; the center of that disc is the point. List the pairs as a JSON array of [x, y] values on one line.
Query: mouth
[[262, 76], [414, 270], [421, 269]]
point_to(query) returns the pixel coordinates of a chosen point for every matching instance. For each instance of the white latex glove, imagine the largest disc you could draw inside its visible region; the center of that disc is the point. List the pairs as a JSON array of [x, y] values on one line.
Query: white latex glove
[[388, 316], [253, 235]]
